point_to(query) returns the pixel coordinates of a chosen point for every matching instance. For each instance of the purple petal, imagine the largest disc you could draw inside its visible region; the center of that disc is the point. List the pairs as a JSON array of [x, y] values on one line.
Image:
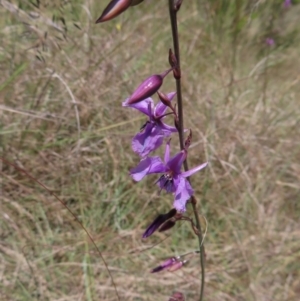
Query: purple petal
[[175, 163], [147, 141], [147, 166], [160, 108], [193, 170], [142, 106], [146, 89], [167, 129], [113, 9], [183, 193]]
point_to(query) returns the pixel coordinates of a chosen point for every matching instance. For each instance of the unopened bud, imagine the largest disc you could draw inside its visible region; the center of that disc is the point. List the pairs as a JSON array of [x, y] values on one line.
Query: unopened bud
[[113, 9], [158, 222], [188, 140], [164, 99], [177, 73], [176, 266], [167, 225], [172, 59], [148, 87], [166, 264]]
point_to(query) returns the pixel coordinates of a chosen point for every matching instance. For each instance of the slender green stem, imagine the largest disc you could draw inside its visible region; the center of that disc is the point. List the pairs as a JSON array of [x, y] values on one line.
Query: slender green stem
[[173, 20]]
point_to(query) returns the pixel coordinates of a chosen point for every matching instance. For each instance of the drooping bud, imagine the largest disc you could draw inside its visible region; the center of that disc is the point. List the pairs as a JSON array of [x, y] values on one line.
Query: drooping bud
[[176, 266], [147, 88], [167, 225], [113, 9], [158, 222], [166, 264], [172, 264]]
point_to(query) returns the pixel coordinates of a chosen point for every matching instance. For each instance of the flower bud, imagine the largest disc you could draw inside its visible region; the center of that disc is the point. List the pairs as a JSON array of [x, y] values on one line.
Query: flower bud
[[188, 140], [158, 222], [113, 9], [176, 266], [166, 264], [147, 88], [167, 225], [164, 99], [172, 59], [177, 73]]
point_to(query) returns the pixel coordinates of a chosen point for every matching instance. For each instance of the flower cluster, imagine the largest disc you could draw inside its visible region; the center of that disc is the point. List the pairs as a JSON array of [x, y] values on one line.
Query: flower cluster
[[153, 133]]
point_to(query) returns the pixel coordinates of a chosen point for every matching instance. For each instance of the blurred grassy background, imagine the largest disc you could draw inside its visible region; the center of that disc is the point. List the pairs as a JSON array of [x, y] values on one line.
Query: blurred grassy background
[[62, 82]]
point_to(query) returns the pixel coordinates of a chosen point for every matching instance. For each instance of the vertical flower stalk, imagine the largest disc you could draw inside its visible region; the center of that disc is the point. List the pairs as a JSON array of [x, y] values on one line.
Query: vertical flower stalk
[[174, 6]]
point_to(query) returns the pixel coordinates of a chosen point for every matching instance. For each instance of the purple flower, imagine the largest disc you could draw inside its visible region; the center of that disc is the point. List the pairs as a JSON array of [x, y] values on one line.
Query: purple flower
[[153, 132], [270, 42], [172, 180], [287, 3]]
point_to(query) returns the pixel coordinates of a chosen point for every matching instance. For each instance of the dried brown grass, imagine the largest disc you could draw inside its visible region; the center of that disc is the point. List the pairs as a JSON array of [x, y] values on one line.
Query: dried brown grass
[[61, 120]]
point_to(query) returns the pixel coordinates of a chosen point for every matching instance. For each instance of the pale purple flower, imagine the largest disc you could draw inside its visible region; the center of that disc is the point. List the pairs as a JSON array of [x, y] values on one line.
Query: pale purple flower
[[287, 3], [153, 132], [173, 180], [270, 42]]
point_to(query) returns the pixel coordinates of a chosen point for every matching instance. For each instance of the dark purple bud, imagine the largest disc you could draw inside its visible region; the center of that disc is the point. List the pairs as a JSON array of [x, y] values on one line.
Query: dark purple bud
[[147, 88], [172, 59], [113, 9], [167, 225], [177, 296], [177, 73], [188, 140], [158, 222], [166, 264]]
